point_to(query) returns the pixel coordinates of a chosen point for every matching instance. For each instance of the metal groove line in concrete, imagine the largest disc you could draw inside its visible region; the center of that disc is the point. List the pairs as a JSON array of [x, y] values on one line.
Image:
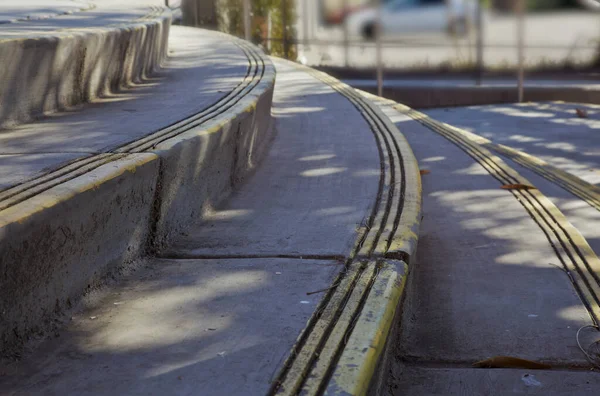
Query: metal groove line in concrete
[[314, 357], [571, 248], [252, 78], [588, 192], [25, 190], [573, 184]]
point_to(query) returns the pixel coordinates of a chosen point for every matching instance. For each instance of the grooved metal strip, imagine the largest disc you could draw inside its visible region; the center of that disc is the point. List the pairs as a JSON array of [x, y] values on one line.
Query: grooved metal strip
[[579, 260], [254, 73], [314, 357]]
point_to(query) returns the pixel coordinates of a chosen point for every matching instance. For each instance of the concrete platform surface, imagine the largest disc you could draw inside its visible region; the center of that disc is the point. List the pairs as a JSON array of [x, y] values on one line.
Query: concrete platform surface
[[316, 186], [185, 327], [487, 282], [484, 285], [202, 68], [225, 325], [12, 11], [468, 381], [551, 131]]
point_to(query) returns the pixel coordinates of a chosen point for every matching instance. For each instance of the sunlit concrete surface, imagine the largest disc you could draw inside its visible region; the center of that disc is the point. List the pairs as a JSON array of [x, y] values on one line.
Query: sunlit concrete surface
[[33, 10], [12, 11], [315, 187], [551, 131], [31, 17], [486, 281], [180, 327], [200, 70], [485, 284]]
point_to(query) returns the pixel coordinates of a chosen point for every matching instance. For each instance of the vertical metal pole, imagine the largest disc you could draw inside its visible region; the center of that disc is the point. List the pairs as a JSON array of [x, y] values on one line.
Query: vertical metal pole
[[305, 14], [246, 7], [346, 44], [479, 23], [284, 23], [378, 49], [269, 31], [521, 49]]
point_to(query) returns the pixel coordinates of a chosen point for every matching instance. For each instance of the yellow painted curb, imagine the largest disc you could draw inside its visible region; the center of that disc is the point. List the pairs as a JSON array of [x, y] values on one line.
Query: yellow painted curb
[[356, 367], [346, 336]]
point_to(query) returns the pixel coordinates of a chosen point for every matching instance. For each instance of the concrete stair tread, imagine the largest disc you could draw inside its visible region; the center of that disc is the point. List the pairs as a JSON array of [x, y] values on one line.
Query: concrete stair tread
[[39, 9], [318, 181], [228, 323], [202, 68], [102, 16]]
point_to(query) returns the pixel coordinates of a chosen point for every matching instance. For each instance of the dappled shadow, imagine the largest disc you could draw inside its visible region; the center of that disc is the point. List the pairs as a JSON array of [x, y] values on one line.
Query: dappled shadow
[[486, 281], [549, 130], [208, 326], [141, 107], [319, 179]]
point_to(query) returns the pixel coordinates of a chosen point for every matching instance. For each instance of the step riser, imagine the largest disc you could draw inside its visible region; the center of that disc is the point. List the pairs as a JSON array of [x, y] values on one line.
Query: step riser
[[200, 169], [52, 73], [55, 245], [58, 244]]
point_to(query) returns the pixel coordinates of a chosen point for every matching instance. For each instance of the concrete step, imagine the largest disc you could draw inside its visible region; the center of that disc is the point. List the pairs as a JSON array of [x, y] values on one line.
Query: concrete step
[[90, 191], [290, 285], [500, 272], [69, 58]]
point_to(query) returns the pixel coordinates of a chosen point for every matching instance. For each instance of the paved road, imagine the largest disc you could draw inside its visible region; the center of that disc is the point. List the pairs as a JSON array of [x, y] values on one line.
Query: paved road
[[552, 38]]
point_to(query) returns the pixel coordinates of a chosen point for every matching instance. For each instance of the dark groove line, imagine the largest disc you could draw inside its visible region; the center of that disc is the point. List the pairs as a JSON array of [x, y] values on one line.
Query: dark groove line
[[324, 257], [256, 63], [383, 135], [543, 216]]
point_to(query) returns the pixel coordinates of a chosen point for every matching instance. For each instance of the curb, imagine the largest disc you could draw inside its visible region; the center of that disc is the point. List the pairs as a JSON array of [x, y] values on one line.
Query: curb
[[345, 339], [46, 73], [355, 371]]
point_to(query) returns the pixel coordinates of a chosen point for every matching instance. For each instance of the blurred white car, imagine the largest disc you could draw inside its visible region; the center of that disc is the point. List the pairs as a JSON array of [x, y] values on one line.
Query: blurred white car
[[414, 16]]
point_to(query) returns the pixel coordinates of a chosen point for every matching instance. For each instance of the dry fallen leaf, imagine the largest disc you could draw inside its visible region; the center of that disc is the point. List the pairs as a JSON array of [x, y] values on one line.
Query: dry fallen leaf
[[581, 113], [424, 171], [517, 187]]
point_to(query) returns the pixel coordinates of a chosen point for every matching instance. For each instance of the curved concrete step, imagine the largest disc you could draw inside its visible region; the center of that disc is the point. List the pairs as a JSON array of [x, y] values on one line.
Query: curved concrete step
[[57, 63], [26, 10], [84, 193], [321, 234]]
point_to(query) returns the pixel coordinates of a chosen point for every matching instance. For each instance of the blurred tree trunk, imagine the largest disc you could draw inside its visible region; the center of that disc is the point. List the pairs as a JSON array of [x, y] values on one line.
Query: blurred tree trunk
[[199, 13]]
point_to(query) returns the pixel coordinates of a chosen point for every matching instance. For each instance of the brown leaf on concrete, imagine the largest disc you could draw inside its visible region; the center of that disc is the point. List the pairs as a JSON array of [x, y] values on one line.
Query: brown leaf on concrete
[[517, 187], [581, 113], [511, 362], [424, 171]]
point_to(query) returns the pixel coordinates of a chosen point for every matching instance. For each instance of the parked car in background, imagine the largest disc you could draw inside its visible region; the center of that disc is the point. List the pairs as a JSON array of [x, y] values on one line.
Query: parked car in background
[[593, 5], [414, 16]]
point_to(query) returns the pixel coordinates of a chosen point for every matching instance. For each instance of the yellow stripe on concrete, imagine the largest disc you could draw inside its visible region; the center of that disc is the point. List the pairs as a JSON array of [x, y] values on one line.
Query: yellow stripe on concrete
[[336, 339], [355, 369], [580, 260], [68, 189]]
